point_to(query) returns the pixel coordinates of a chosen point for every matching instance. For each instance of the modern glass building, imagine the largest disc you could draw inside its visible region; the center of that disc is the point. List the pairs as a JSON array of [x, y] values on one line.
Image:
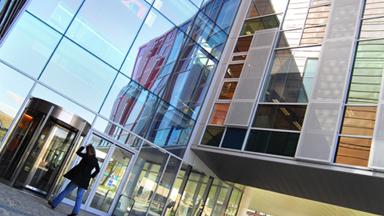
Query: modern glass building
[[197, 107]]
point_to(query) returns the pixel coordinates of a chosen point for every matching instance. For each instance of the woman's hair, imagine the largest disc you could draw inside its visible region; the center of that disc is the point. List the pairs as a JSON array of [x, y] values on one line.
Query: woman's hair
[[90, 150]]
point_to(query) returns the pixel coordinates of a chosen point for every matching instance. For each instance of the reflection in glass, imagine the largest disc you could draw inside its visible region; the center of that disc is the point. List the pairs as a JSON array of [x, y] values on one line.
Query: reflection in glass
[[29, 45], [228, 90], [191, 200], [144, 178], [12, 95], [108, 33], [359, 120], [164, 189], [234, 71], [73, 70], [234, 138], [290, 38], [215, 204], [176, 192], [285, 117], [233, 203], [219, 113], [111, 180], [265, 7], [177, 11], [353, 151], [278, 143], [212, 136], [372, 28], [239, 57], [291, 75], [57, 13], [155, 25], [367, 73], [252, 25], [243, 44], [313, 35]]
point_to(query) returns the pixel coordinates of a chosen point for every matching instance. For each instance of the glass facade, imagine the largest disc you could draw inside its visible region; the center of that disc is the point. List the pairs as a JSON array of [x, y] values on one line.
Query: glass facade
[[139, 72]]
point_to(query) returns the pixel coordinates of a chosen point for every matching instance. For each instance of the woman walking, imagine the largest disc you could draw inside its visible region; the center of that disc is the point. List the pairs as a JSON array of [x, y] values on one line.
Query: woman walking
[[79, 176]]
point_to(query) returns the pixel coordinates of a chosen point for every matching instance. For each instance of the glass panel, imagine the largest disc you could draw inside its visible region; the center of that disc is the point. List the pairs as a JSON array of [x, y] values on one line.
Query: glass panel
[[219, 113], [164, 188], [318, 16], [154, 26], [243, 44], [296, 14], [262, 7], [238, 58], [102, 147], [227, 13], [367, 73], [110, 32], [193, 193], [117, 133], [176, 193], [233, 203], [234, 71], [219, 204], [313, 36], [176, 11], [278, 143], [288, 117], [228, 90], [12, 95], [234, 138], [287, 79], [372, 28], [111, 180], [353, 151], [46, 94], [144, 178], [73, 70], [252, 25], [359, 120], [212, 136], [373, 8], [57, 13], [29, 45]]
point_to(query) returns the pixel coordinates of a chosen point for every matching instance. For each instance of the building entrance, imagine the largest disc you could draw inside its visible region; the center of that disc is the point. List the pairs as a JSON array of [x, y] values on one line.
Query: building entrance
[[40, 146]]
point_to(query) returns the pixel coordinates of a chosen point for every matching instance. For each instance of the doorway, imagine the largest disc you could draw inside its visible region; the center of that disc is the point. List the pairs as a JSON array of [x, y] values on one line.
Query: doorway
[[40, 146]]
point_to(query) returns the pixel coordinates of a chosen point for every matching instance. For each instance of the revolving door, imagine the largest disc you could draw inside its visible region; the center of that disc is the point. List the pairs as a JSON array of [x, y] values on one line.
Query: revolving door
[[41, 144]]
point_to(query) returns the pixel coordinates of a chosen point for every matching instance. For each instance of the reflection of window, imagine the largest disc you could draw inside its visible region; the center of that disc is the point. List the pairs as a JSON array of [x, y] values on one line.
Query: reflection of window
[[212, 136], [234, 71], [243, 44], [228, 90], [219, 113], [279, 143], [250, 26], [359, 120], [285, 117]]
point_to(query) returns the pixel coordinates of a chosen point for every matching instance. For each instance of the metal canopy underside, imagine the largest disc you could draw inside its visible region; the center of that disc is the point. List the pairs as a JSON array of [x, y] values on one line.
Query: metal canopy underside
[[361, 190]]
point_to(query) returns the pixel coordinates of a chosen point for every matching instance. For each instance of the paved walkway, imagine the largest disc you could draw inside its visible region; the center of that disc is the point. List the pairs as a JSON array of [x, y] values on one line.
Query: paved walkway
[[15, 202]]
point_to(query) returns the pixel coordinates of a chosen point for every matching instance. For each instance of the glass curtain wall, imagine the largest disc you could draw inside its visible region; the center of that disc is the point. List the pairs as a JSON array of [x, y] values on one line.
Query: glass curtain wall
[[279, 115]]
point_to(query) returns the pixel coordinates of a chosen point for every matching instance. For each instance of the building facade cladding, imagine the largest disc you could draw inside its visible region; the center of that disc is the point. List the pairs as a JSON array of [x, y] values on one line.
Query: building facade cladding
[[138, 71], [304, 82]]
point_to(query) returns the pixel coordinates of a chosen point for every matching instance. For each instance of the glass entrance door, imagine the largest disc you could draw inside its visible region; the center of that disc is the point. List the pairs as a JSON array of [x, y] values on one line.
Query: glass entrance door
[[113, 162], [46, 157]]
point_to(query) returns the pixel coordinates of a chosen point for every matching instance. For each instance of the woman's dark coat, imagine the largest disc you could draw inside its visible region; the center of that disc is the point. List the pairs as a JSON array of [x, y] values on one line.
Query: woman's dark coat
[[81, 173]]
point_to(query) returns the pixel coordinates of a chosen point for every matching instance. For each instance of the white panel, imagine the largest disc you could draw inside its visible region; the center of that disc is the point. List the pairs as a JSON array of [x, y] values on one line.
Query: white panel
[[251, 77], [343, 19], [319, 129], [239, 113], [333, 70], [377, 147]]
